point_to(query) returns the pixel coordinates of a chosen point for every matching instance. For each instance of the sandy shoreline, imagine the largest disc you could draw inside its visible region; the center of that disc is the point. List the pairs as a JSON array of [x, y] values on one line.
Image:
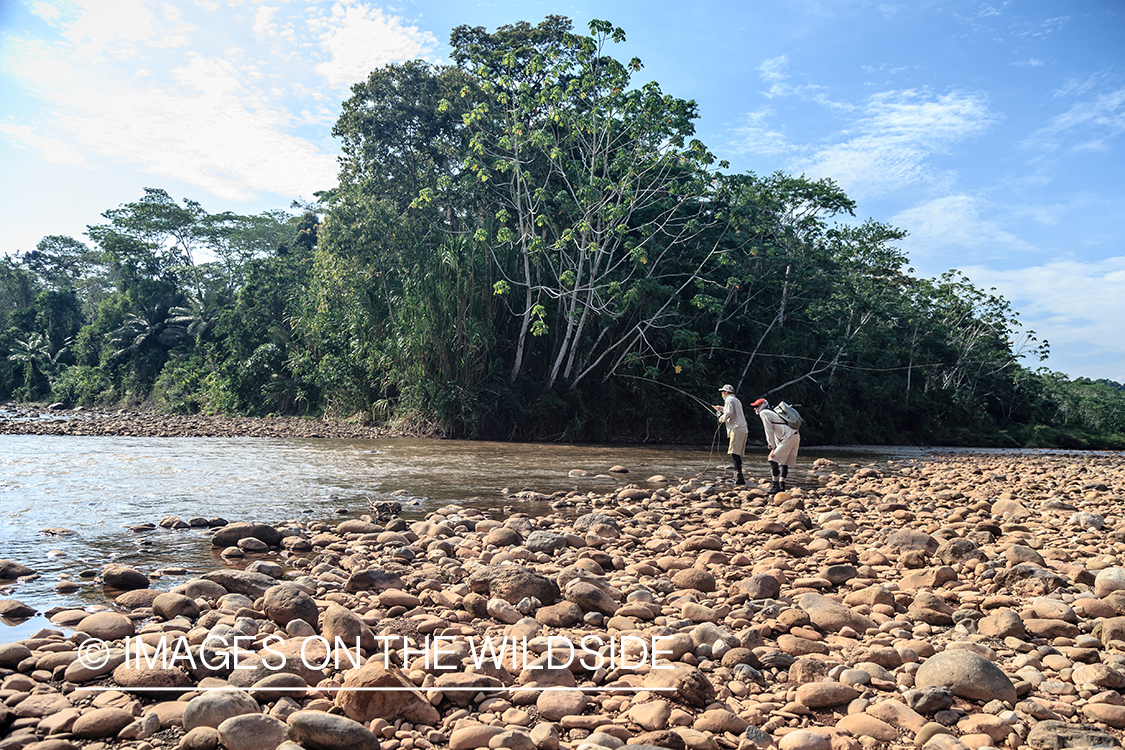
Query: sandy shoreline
[[958, 601]]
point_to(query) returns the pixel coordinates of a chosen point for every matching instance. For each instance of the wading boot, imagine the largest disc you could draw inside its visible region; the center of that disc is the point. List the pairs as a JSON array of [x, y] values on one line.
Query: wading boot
[[775, 488], [739, 478], [781, 485]]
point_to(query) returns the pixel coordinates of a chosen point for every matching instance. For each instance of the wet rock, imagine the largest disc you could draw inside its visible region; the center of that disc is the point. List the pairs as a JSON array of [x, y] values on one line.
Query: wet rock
[[253, 585], [136, 599], [16, 610], [231, 535], [10, 569], [170, 606]]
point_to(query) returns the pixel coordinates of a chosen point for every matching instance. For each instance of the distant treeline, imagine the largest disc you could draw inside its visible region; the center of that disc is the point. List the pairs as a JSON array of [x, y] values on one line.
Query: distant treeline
[[525, 245]]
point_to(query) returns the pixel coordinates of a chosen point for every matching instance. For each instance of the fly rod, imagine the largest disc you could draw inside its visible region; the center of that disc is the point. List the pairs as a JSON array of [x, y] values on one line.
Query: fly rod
[[709, 407]]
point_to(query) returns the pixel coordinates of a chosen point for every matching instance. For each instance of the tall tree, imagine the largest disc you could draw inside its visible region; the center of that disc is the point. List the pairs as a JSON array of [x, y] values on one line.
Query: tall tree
[[599, 185]]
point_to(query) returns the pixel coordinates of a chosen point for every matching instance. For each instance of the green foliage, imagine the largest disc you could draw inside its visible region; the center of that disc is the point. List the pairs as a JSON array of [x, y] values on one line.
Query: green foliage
[[83, 385]]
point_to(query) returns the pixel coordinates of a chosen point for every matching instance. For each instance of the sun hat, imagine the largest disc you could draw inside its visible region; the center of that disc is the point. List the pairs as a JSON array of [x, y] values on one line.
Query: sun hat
[[728, 388]]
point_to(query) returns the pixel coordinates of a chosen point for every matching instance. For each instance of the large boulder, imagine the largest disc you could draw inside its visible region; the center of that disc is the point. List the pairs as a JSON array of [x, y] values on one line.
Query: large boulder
[[247, 583], [683, 683], [513, 583], [229, 536], [10, 569], [317, 730], [372, 579], [830, 616], [123, 577], [286, 602], [341, 625], [384, 693], [214, 707], [967, 674]]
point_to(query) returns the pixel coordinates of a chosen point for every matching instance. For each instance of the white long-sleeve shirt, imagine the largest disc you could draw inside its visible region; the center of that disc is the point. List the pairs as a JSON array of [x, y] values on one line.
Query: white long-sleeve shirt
[[732, 415], [782, 439]]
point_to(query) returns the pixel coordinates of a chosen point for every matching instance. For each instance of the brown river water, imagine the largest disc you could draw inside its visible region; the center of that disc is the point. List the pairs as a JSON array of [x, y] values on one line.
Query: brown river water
[[89, 489]]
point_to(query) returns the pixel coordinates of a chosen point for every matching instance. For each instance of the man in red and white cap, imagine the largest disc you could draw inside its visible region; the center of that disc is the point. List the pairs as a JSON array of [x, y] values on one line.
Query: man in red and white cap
[[730, 414], [783, 441]]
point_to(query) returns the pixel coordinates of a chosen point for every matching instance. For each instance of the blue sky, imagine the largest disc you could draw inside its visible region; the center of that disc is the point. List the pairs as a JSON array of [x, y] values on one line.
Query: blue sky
[[992, 132]]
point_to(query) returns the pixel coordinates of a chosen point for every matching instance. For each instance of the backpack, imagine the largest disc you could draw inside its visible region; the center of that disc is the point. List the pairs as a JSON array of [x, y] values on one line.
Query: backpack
[[789, 414]]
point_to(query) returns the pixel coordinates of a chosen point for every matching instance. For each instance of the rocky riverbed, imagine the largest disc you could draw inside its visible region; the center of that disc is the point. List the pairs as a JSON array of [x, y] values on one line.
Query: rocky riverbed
[[964, 601], [55, 419]]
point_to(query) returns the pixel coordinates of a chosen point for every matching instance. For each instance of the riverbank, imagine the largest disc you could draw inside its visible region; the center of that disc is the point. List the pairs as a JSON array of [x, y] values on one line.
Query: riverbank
[[21, 419], [958, 601]]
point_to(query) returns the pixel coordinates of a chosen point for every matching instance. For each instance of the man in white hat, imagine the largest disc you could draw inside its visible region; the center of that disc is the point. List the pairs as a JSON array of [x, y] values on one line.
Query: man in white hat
[[730, 414]]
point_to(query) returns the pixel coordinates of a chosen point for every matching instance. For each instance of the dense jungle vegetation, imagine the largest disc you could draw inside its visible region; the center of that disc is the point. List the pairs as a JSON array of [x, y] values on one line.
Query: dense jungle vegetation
[[525, 245]]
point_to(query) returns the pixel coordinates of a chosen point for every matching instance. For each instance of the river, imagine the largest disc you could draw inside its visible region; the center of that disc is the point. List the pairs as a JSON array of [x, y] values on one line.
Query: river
[[89, 489]]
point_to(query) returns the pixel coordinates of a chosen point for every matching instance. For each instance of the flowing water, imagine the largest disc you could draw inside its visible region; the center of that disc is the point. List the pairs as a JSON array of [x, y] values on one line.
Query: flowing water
[[65, 502]]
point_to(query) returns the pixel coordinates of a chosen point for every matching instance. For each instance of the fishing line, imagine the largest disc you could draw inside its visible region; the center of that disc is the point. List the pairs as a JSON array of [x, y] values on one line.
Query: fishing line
[[801, 357], [709, 407]]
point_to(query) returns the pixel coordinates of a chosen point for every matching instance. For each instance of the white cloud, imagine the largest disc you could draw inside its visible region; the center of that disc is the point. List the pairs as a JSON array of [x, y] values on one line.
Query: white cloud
[[1086, 126], [136, 82], [46, 11], [890, 145], [955, 225], [774, 72], [754, 136], [120, 28], [263, 20], [887, 142], [774, 68], [51, 149], [359, 39], [1076, 306]]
